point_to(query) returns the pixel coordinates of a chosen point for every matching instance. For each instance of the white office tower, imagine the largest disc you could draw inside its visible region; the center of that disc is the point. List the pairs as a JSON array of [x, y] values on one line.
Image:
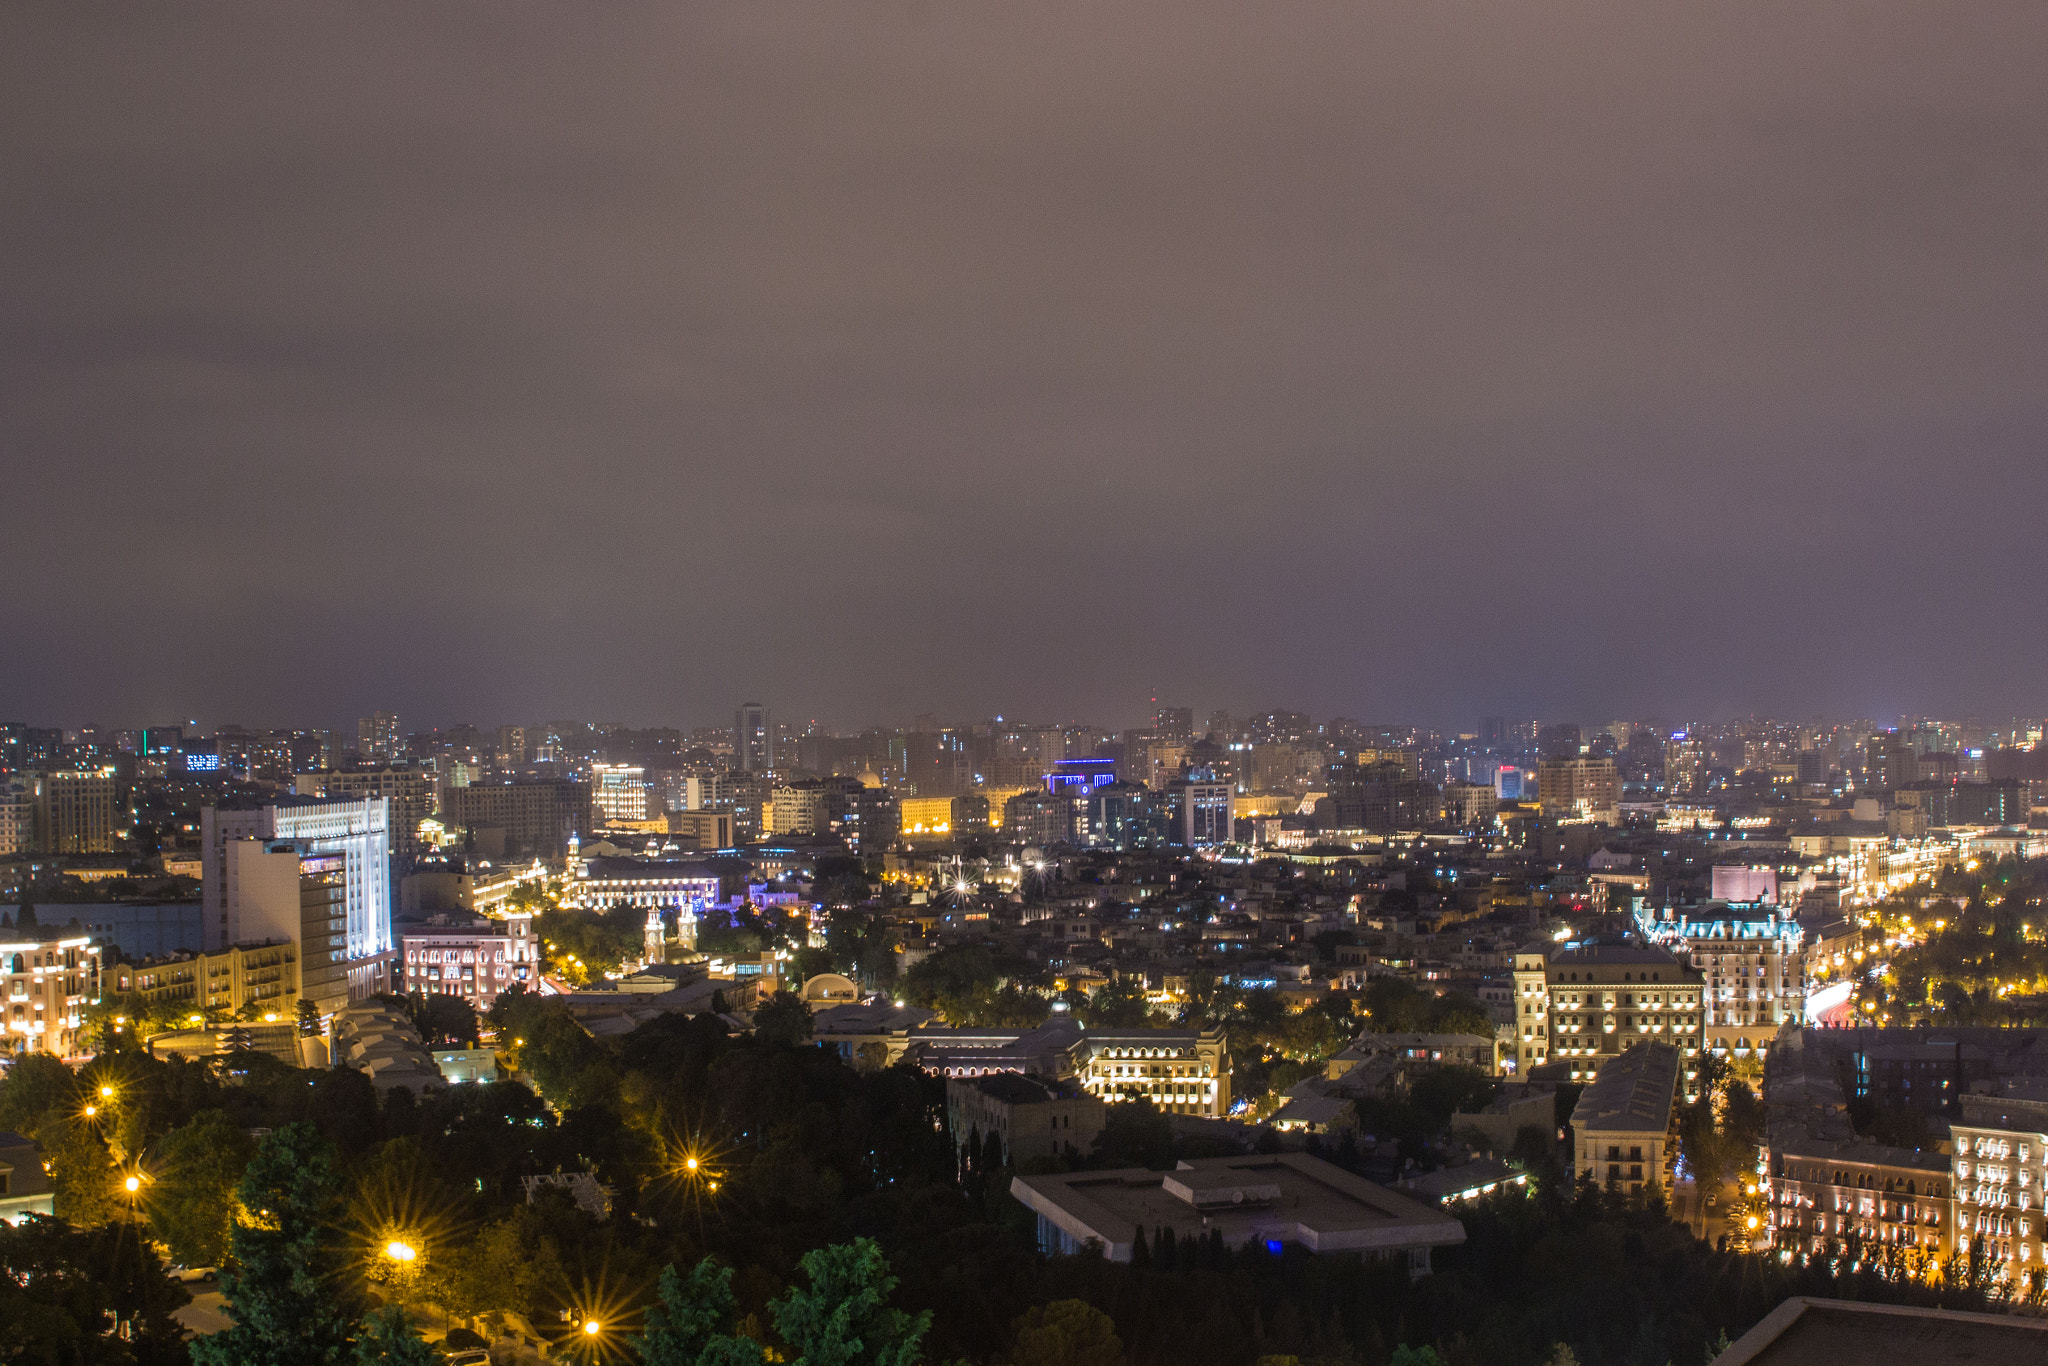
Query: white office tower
[[266, 891]]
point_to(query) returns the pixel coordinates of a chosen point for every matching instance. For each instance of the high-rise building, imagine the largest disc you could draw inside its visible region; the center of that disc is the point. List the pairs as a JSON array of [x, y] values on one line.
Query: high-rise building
[[753, 738], [357, 831], [17, 819], [1579, 790], [1174, 723], [73, 811], [1200, 813], [276, 892], [525, 819], [620, 792], [377, 737], [412, 793]]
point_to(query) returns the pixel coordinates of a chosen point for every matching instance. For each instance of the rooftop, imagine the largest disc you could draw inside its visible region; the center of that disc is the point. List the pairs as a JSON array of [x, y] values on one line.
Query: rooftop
[[1282, 1197], [1632, 1092]]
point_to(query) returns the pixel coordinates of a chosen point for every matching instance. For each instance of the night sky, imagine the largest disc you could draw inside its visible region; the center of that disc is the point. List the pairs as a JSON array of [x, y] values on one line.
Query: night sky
[[1400, 360]]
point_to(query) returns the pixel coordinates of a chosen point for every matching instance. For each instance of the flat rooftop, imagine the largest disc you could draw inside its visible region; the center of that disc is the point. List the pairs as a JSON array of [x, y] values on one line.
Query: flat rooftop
[[1813, 1332], [1280, 1197]]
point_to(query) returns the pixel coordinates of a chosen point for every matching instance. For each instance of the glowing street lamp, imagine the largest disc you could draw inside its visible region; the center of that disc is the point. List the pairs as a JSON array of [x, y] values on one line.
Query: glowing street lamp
[[400, 1251], [591, 1328], [132, 1184], [106, 1093]]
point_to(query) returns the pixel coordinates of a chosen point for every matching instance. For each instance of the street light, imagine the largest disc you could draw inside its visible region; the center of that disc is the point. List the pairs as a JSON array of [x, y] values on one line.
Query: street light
[[591, 1327], [400, 1251], [106, 1093], [132, 1184]]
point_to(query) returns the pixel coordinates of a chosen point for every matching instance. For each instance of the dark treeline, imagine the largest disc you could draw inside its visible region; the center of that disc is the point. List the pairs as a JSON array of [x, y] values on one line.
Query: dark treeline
[[756, 1150]]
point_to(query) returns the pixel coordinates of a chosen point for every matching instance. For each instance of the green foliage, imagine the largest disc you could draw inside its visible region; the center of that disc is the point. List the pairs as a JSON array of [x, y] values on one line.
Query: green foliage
[[1066, 1333], [1119, 1004], [284, 1293], [391, 1338], [39, 1089], [192, 1203], [1405, 1355], [842, 1317], [691, 1325], [59, 1287], [784, 1017], [970, 987], [581, 945], [444, 1021], [1135, 1133], [82, 1169], [508, 1267], [1396, 1006]]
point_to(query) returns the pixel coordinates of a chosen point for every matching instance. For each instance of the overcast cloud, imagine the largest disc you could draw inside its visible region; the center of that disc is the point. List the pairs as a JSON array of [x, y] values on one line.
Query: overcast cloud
[[1409, 361]]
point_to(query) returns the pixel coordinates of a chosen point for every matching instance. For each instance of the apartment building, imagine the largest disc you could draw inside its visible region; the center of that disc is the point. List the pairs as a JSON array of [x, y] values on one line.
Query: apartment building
[[1584, 1005]]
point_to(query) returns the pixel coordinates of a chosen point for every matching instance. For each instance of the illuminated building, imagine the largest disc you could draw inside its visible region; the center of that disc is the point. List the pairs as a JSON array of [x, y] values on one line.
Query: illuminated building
[[227, 979], [410, 792], [1378, 797], [377, 737], [1753, 961], [799, 808], [1574, 789], [619, 791], [1999, 1169], [1199, 813], [46, 982], [1685, 766], [701, 829], [1039, 818], [17, 819], [1470, 806], [474, 962], [753, 738], [1621, 1126], [1583, 1006], [73, 811], [1856, 1191], [1122, 816], [277, 891], [687, 889], [873, 820], [313, 871], [1080, 774], [943, 817]]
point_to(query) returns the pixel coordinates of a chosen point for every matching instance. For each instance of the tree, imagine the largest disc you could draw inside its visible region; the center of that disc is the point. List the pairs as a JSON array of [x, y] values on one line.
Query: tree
[[1117, 1005], [191, 1206], [1135, 1133], [82, 1169], [63, 1285], [784, 1017], [691, 1324], [841, 1318], [285, 1292], [1066, 1333], [444, 1021], [390, 1339]]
